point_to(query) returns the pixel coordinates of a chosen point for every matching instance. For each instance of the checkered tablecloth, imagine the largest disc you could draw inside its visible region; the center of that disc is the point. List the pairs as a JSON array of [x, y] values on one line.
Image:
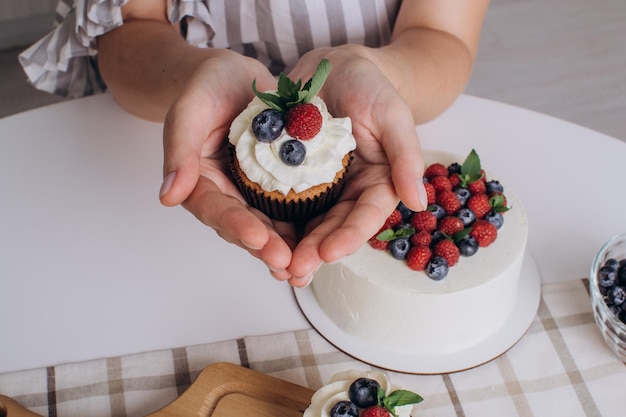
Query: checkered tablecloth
[[561, 367]]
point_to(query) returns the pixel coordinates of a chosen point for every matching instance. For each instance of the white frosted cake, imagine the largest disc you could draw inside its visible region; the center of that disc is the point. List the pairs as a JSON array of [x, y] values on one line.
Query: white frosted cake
[[382, 302]]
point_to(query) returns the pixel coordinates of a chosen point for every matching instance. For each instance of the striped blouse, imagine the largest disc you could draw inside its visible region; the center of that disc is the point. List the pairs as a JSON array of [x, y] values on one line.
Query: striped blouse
[[276, 32]]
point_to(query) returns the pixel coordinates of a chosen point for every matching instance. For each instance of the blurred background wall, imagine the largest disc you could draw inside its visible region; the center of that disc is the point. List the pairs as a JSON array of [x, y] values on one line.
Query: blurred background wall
[[24, 21]]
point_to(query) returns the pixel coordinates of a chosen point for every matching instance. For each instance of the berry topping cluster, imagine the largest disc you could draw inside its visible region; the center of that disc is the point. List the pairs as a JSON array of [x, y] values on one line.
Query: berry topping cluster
[[465, 211], [367, 399], [290, 109], [612, 285]]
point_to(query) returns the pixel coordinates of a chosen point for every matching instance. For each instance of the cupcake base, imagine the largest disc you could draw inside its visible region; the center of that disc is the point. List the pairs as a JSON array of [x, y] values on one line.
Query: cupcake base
[[293, 207]]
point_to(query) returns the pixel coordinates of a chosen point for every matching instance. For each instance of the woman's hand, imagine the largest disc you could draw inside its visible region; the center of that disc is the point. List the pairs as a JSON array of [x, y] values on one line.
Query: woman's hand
[[387, 165], [196, 160], [196, 92], [147, 66]]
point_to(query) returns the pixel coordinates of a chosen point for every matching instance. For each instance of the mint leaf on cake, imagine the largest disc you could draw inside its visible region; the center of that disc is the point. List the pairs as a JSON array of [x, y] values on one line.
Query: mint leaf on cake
[[290, 93]]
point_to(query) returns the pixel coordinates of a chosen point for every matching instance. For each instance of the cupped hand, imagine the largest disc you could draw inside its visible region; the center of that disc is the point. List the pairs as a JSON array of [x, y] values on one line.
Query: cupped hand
[[196, 161], [387, 165]]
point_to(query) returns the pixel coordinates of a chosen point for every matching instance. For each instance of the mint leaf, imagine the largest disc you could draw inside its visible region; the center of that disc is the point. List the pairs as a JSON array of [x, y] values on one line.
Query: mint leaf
[[291, 93], [404, 232], [389, 234], [314, 85], [386, 235], [471, 169], [497, 202], [380, 395], [270, 99], [299, 97], [461, 234], [401, 397], [287, 88]]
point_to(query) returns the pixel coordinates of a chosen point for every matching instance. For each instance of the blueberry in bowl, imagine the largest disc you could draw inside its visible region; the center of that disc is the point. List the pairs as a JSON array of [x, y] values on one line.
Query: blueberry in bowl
[[607, 286]]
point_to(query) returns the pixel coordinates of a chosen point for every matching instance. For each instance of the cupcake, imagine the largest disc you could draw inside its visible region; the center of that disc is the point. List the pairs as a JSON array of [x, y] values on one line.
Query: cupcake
[[355, 393], [289, 156]]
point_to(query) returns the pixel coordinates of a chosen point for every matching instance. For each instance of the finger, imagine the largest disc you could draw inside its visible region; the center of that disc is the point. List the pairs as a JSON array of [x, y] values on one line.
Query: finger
[[280, 275], [403, 150], [227, 215], [277, 253], [183, 139], [300, 282], [360, 222], [305, 67], [243, 226], [197, 125], [306, 255], [308, 262], [287, 231]]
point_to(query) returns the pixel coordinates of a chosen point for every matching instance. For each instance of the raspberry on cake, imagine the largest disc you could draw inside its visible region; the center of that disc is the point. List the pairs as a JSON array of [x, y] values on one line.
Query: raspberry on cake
[[394, 219], [289, 156], [456, 287], [450, 225], [430, 193], [304, 121], [448, 250], [441, 183], [479, 204], [422, 238], [449, 201], [448, 228], [484, 232], [418, 257], [435, 169], [424, 221]]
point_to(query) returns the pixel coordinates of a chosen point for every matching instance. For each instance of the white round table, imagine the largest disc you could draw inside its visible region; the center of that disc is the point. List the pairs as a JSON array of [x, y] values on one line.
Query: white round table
[[93, 266]]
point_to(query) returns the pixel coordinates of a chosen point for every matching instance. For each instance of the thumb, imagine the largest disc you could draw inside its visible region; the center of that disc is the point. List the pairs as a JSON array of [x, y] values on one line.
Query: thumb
[[181, 165], [404, 153]]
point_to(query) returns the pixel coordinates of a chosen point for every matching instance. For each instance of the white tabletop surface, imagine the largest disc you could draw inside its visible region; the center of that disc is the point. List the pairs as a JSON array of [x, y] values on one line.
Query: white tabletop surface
[[91, 265]]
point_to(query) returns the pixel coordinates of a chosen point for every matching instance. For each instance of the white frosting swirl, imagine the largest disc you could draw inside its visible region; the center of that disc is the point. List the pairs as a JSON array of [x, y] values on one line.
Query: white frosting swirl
[[261, 161], [336, 390]]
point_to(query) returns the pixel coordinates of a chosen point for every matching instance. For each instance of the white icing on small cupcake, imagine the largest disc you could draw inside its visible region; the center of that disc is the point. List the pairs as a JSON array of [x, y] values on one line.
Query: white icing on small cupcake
[[261, 161], [338, 388]]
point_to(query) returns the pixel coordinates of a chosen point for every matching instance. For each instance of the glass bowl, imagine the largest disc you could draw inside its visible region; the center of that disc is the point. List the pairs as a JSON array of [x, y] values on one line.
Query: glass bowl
[[607, 315]]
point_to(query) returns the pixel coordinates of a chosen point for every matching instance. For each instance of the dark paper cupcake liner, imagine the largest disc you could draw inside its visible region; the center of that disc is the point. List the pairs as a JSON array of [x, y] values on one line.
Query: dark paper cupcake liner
[[290, 211]]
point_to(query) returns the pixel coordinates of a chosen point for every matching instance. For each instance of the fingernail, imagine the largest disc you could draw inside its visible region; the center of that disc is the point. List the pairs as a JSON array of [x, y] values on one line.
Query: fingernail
[[306, 280], [281, 274], [307, 277], [167, 184], [273, 268], [421, 191], [250, 246]]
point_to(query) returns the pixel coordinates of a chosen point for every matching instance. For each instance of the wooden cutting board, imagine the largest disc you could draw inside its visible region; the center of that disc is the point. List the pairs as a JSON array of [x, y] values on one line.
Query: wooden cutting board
[[221, 390]]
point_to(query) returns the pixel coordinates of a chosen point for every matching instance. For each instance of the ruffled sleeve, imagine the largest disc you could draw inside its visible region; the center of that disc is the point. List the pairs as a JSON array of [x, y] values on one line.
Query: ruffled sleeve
[[64, 61], [199, 27]]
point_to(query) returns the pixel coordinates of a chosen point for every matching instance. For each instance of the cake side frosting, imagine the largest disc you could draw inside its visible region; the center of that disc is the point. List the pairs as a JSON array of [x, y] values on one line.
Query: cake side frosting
[[261, 161], [381, 301]]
